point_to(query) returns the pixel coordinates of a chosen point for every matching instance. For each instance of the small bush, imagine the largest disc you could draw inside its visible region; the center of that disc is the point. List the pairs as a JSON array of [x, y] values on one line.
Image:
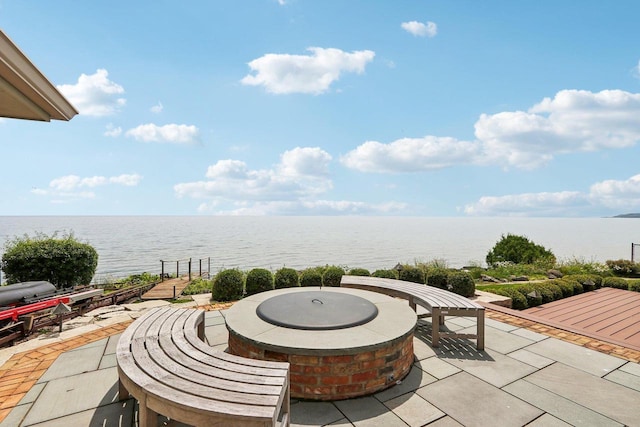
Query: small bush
[[533, 295], [461, 283], [332, 276], [437, 277], [623, 267], [286, 278], [578, 266], [587, 280], [311, 277], [259, 280], [198, 286], [551, 290], [518, 301], [410, 273], [615, 282], [228, 285], [519, 250], [565, 287], [385, 274], [359, 272], [634, 285]]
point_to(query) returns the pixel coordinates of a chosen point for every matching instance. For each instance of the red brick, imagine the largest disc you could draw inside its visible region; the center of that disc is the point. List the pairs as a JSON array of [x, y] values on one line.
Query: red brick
[[303, 379], [316, 369], [349, 389], [335, 380], [364, 376], [368, 364], [345, 369], [305, 360], [315, 391], [330, 360], [368, 355]]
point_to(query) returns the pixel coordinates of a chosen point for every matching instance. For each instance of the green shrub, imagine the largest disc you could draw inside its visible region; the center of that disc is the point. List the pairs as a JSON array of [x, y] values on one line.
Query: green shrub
[[385, 274], [565, 287], [519, 250], [615, 282], [228, 285], [518, 300], [410, 273], [533, 295], [359, 272], [332, 276], [587, 280], [634, 285], [437, 277], [198, 286], [311, 277], [64, 262], [286, 278], [552, 291], [623, 267], [577, 266], [461, 283], [258, 280]]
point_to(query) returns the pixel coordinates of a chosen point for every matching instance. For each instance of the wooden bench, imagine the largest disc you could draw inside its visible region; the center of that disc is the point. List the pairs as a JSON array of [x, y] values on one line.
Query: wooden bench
[[164, 363], [438, 302]]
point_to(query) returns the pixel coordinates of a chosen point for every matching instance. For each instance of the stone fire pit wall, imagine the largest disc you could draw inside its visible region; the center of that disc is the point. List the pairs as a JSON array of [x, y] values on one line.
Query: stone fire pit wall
[[340, 376]]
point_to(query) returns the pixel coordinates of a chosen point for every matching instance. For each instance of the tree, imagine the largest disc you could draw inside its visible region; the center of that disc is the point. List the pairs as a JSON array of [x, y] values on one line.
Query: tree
[[64, 261], [519, 250]]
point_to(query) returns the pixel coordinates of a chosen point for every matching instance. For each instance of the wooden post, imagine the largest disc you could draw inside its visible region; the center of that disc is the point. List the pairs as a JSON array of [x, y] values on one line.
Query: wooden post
[[200, 262], [189, 269], [174, 292], [209, 267], [162, 271], [632, 247], [178, 269]]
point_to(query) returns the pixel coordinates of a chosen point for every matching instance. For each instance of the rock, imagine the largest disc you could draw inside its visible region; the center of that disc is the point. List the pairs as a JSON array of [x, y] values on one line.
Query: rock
[[519, 279], [554, 274], [487, 278]]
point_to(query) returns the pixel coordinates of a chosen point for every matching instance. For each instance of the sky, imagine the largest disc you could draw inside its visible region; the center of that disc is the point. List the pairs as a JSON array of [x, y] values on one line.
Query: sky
[[298, 107]]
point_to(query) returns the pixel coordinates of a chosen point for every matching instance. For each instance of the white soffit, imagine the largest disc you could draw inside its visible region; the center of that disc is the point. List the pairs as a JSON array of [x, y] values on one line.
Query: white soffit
[[25, 93]]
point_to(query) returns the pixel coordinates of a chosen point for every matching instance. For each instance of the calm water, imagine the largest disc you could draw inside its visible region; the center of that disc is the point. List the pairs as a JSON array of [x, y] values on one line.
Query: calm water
[[129, 245]]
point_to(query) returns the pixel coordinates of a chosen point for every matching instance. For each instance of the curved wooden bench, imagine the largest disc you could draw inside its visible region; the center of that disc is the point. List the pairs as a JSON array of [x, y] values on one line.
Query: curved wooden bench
[[163, 362], [438, 302]]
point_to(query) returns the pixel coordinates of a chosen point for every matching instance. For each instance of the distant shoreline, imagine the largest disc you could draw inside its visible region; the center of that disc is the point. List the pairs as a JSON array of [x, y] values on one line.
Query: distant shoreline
[[629, 215]]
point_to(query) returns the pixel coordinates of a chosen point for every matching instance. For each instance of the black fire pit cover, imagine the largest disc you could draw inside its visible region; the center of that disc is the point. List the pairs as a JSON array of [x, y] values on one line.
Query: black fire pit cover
[[317, 310]]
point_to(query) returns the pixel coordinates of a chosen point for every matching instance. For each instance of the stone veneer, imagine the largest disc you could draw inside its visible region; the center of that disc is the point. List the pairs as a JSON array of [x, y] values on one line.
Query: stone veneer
[[334, 377]]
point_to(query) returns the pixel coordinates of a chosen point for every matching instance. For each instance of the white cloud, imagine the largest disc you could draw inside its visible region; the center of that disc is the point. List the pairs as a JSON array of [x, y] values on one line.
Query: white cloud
[[605, 197], [172, 133], [157, 109], [305, 161], [318, 207], [95, 94], [113, 131], [71, 186], [419, 29], [314, 73], [573, 121]]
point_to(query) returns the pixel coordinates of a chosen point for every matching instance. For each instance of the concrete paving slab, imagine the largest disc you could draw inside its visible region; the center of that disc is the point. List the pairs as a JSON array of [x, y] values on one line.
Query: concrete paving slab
[[73, 394], [582, 358], [530, 358], [107, 361], [414, 410], [342, 423], [421, 350], [74, 363], [561, 408], [201, 299], [620, 404], [100, 343], [547, 420], [631, 368], [530, 335], [624, 378], [16, 416], [103, 310], [314, 414], [438, 368], [368, 412], [112, 344], [216, 335], [473, 402], [501, 341], [414, 380], [490, 323], [461, 322], [117, 414], [33, 393], [213, 320], [446, 422], [144, 305], [222, 347], [497, 369]]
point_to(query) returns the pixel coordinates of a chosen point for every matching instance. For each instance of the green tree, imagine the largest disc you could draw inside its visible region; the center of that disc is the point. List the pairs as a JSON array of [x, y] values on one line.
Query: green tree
[[63, 261], [519, 250]]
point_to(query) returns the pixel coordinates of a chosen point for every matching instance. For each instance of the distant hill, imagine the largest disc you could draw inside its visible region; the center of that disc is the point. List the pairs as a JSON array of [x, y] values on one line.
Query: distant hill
[[629, 215]]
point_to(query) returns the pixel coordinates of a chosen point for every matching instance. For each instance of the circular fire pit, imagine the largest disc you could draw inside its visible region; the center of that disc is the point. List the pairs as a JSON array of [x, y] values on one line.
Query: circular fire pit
[[340, 342]]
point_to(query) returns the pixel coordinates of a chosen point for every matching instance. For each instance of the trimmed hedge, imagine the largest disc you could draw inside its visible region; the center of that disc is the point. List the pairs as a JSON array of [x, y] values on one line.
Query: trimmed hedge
[[410, 273], [332, 276], [461, 283], [615, 282], [437, 277], [228, 285], [359, 272], [286, 278], [258, 280], [385, 274], [311, 277]]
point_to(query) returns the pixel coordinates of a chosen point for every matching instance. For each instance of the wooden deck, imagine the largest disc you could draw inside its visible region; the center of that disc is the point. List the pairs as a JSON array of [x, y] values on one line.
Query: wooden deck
[[611, 315], [164, 290]]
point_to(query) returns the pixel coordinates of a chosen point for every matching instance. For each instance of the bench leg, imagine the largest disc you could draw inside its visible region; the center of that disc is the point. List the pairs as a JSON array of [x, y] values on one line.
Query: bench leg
[[123, 393], [146, 417], [435, 327], [480, 330]]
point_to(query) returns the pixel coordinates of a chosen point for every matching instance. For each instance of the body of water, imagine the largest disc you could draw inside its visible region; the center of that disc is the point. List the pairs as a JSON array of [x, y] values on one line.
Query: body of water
[[134, 244]]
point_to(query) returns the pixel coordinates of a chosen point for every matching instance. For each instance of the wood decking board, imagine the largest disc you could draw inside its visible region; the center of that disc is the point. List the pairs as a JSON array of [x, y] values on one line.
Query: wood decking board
[[164, 290], [608, 314]]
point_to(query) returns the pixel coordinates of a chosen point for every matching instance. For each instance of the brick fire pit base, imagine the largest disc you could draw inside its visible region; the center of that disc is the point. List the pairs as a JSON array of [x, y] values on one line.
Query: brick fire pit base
[[335, 364]]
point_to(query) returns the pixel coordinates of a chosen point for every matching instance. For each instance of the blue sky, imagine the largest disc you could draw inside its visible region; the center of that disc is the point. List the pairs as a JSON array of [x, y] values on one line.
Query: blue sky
[[295, 107]]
